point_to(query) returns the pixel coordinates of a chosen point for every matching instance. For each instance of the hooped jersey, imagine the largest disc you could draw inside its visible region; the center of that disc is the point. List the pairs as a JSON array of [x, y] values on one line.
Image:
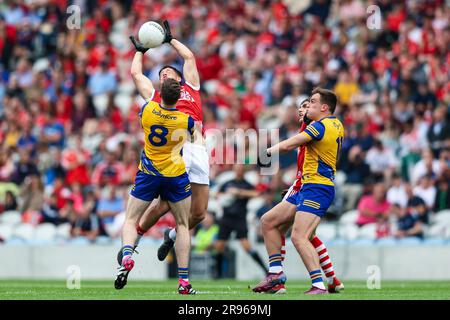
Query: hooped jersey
[[165, 131], [322, 151], [189, 102]]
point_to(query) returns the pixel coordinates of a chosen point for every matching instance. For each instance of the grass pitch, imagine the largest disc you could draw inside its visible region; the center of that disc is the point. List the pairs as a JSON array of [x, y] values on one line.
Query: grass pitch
[[215, 290]]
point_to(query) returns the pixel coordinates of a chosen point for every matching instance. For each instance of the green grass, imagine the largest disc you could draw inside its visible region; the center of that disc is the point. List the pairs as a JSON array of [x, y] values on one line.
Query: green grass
[[215, 290]]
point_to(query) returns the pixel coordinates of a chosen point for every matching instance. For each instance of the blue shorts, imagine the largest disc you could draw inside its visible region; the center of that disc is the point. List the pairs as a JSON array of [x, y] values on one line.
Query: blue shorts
[[313, 198], [148, 187]]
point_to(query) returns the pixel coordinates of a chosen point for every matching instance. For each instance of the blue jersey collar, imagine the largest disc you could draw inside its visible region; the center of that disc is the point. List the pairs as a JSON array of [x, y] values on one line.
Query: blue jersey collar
[[168, 109]]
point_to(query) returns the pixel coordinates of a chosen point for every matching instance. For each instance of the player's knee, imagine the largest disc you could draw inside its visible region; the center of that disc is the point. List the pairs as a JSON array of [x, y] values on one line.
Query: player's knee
[[298, 239], [267, 223], [198, 213]]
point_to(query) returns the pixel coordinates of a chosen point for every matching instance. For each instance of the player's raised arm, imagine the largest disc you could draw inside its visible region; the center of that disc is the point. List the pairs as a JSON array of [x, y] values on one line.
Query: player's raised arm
[[190, 71], [143, 84]]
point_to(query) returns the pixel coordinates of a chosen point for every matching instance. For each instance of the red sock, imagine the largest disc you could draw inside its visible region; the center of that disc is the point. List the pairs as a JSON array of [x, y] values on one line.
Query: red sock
[[324, 259], [283, 247], [140, 231]]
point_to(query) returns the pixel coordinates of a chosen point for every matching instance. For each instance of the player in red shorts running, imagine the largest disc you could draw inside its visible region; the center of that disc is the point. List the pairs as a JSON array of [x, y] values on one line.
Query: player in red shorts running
[[277, 221], [194, 152]]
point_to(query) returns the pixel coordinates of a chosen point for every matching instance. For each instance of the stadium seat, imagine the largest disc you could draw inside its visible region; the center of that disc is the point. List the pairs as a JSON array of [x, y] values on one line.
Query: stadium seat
[[442, 217], [363, 242], [123, 101], [254, 204], [368, 231], [10, 217], [437, 230], [340, 178], [103, 240], [389, 241], [6, 231], [326, 231], [100, 103], [434, 241], [45, 232], [411, 241], [337, 242], [225, 177], [348, 231], [15, 241], [63, 231], [24, 231], [349, 217], [79, 241], [213, 206], [252, 177]]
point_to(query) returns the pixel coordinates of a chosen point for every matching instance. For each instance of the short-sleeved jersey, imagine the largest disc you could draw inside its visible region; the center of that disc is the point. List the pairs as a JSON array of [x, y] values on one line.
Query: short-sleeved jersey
[[189, 102], [322, 151], [165, 133]]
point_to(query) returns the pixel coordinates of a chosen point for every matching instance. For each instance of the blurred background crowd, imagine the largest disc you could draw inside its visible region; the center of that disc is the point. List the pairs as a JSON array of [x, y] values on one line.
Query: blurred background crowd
[[70, 135]]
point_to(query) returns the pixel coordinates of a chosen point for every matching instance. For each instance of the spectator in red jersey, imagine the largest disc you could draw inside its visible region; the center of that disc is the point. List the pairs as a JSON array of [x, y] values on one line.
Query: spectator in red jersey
[[371, 206]]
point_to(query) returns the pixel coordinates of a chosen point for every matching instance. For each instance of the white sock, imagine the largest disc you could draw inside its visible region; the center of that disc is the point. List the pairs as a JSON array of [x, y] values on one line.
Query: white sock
[[275, 269], [173, 234], [319, 285]]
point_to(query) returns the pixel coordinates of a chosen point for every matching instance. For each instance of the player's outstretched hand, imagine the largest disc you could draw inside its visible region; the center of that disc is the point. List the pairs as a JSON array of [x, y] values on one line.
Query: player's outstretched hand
[[139, 47], [168, 36], [264, 161]]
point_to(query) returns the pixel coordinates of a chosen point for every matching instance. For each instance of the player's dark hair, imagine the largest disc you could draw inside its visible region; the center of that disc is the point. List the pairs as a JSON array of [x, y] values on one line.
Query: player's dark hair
[[327, 97], [170, 91], [170, 67]]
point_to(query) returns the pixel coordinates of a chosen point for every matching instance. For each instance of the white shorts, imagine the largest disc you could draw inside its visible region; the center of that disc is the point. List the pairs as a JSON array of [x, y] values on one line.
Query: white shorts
[[196, 159]]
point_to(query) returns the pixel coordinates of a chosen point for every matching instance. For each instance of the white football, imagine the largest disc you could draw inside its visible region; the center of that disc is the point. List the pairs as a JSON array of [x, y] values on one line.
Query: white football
[[151, 34]]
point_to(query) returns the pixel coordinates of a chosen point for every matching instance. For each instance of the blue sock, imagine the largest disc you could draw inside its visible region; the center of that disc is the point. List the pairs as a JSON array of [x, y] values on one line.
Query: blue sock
[[316, 279], [275, 265], [127, 251], [183, 274]]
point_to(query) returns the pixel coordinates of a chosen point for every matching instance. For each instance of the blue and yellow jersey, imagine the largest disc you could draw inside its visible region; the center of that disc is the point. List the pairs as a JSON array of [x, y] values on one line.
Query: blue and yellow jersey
[[165, 130], [322, 151]]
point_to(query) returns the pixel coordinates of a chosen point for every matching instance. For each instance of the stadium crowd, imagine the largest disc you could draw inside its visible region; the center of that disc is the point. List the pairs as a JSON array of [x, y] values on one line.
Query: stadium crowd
[[70, 136]]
